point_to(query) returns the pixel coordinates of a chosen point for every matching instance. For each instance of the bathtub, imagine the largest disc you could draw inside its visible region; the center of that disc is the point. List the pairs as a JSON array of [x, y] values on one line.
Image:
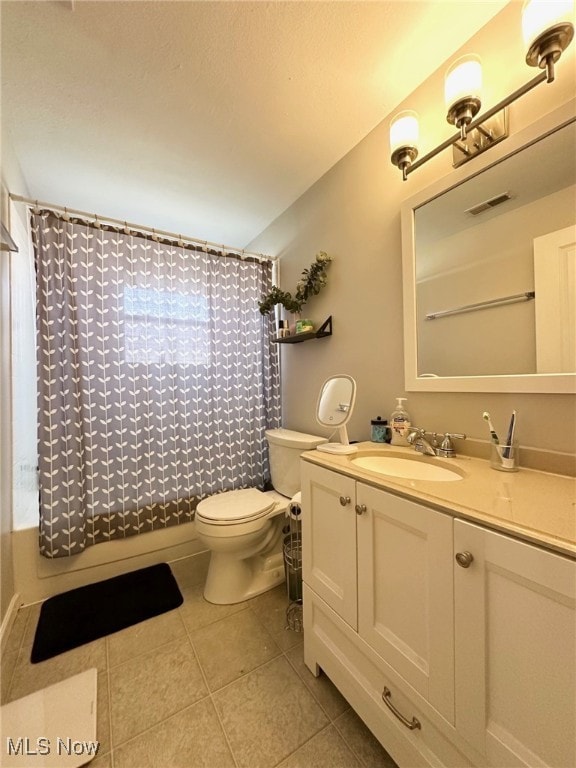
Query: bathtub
[[37, 577]]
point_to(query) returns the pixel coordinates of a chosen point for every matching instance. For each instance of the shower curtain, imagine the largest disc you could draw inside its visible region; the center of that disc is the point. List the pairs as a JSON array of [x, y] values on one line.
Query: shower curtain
[[157, 378]]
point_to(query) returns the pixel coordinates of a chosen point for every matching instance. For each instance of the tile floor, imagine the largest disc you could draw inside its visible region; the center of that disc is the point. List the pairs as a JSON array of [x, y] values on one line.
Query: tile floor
[[204, 685]]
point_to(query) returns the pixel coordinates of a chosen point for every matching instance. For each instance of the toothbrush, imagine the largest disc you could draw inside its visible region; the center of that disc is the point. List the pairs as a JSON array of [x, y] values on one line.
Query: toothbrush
[[486, 417], [510, 437]]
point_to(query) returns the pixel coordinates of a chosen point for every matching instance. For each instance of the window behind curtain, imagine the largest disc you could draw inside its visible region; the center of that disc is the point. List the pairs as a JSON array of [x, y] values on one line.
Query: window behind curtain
[[157, 379]]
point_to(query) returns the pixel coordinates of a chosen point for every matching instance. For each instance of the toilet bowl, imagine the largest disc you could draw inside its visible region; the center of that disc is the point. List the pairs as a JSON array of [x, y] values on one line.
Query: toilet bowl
[[243, 528], [243, 531]]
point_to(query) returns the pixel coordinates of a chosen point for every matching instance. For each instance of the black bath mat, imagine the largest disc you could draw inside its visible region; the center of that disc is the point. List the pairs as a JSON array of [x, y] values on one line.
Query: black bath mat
[[88, 613]]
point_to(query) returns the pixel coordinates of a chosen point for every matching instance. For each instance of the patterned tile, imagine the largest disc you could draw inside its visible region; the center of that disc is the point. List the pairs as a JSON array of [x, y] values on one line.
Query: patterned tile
[[6, 671], [192, 738], [268, 714], [148, 689], [323, 690], [102, 760], [144, 637], [103, 715], [270, 607], [155, 711], [232, 647], [362, 741], [30, 677], [325, 750], [198, 612]]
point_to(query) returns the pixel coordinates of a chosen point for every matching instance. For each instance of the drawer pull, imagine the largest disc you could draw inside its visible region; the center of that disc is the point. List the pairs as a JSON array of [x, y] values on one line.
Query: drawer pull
[[344, 500], [360, 509], [464, 559], [411, 724]]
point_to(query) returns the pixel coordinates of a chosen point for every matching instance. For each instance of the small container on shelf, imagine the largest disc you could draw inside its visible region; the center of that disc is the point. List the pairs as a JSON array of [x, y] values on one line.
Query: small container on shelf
[[304, 326], [283, 329]]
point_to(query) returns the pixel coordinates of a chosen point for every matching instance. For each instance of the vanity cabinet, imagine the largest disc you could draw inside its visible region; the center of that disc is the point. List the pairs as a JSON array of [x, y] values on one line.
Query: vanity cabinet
[[329, 557], [449, 662], [515, 673]]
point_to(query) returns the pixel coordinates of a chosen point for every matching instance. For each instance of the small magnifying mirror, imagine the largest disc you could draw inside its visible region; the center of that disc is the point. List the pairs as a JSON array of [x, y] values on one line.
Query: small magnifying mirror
[[334, 409]]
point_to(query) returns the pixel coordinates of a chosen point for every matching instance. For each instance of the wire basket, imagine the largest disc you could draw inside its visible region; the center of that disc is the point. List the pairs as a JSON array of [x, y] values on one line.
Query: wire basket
[[293, 572]]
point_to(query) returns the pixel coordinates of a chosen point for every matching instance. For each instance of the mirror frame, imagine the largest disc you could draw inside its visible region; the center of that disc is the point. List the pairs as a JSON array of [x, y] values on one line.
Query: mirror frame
[[530, 382]]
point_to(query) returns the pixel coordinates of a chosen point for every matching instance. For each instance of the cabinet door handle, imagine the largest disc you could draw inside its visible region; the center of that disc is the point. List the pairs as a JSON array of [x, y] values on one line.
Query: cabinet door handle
[[464, 559], [413, 724], [344, 500], [360, 508]]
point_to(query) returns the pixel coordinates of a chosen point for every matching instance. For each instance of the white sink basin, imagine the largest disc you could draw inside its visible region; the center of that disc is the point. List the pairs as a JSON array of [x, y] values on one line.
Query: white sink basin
[[417, 468]]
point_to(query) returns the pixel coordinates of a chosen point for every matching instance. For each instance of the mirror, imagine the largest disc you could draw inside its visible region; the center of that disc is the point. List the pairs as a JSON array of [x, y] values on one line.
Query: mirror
[[334, 409], [490, 273]]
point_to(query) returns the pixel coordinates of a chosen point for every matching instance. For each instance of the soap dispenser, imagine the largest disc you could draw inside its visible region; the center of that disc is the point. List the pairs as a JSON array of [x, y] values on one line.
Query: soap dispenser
[[400, 423]]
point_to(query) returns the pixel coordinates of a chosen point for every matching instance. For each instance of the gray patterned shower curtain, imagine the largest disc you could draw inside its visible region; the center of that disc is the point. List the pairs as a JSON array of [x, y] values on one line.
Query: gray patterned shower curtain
[[157, 378]]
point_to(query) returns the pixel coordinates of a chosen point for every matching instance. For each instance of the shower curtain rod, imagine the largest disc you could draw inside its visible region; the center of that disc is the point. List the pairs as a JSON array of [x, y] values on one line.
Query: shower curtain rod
[[139, 227]]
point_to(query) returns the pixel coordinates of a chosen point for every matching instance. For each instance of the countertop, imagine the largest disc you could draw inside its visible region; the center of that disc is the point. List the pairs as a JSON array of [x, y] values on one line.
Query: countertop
[[539, 507]]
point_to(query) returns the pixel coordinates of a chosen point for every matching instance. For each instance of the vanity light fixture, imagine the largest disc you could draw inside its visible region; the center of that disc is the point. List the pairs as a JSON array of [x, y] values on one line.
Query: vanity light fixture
[[548, 29], [404, 132], [462, 92]]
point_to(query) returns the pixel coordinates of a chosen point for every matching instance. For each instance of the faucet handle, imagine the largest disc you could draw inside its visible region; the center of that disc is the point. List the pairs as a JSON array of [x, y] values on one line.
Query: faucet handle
[[447, 449], [457, 435]]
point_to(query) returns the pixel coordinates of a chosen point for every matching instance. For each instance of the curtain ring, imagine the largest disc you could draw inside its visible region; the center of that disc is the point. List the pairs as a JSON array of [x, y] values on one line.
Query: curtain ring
[[126, 230], [96, 222], [180, 241], [66, 217]]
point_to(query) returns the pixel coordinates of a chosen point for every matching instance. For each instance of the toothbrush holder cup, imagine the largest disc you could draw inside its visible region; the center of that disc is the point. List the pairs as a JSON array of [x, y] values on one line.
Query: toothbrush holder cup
[[505, 458]]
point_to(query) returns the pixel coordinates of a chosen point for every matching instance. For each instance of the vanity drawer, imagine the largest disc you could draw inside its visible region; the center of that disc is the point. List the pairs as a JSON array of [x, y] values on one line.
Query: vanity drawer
[[361, 676]]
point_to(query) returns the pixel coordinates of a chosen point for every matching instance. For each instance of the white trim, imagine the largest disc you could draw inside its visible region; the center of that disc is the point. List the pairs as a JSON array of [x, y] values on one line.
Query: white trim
[[8, 620], [526, 383]]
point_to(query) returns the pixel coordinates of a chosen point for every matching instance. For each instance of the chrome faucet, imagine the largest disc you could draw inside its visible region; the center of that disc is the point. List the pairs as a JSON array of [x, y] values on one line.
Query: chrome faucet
[[417, 437]]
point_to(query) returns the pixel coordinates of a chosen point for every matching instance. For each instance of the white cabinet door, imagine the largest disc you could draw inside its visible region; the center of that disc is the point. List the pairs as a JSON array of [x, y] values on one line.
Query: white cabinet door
[[515, 650], [329, 538], [405, 587]]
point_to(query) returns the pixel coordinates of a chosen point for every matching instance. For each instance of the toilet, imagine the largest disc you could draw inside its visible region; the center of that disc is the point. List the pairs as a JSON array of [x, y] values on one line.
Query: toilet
[[243, 528]]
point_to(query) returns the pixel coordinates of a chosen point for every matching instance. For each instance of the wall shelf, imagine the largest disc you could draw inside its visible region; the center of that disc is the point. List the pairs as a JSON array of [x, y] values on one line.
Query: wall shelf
[[296, 338]]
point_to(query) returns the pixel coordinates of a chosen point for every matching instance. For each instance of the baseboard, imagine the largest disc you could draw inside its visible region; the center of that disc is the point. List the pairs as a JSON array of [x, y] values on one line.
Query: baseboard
[[8, 620]]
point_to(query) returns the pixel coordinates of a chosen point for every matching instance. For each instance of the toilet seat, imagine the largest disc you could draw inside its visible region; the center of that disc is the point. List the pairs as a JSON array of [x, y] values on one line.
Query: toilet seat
[[235, 507]]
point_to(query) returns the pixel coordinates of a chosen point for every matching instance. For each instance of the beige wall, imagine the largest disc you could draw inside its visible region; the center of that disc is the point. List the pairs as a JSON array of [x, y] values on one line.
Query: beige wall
[[353, 213]]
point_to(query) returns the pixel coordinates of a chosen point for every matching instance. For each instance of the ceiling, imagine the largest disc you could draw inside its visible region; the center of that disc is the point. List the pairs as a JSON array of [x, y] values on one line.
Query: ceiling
[[208, 118]]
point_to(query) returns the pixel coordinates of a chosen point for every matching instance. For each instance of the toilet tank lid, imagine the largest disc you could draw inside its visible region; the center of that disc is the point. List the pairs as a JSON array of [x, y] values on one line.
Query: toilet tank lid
[[291, 439]]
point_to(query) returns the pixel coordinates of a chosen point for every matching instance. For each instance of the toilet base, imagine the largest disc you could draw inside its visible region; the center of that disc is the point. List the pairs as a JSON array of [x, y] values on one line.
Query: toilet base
[[233, 580]]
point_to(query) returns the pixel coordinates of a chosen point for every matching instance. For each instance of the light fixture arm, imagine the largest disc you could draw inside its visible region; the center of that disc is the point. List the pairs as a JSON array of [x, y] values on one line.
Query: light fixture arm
[[548, 29], [476, 123]]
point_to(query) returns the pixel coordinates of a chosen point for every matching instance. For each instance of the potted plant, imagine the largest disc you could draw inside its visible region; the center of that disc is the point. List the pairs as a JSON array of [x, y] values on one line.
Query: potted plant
[[311, 282]]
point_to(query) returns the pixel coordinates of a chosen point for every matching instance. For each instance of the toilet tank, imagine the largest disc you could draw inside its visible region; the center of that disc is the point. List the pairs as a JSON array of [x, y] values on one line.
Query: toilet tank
[[285, 447]]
